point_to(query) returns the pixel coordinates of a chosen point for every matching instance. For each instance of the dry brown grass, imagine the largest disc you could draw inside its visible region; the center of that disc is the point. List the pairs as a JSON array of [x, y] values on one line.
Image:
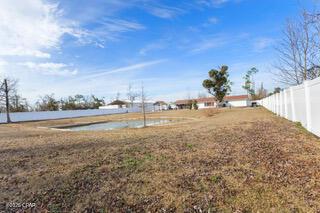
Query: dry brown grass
[[239, 160], [210, 112]]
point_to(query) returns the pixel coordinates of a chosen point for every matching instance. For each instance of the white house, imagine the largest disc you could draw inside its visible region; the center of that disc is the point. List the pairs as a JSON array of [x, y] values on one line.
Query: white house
[[237, 101], [149, 105], [160, 106], [117, 104], [204, 103]]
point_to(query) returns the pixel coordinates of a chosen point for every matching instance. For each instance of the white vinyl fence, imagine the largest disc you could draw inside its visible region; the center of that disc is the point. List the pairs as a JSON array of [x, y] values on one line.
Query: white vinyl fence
[[49, 115], [299, 104]]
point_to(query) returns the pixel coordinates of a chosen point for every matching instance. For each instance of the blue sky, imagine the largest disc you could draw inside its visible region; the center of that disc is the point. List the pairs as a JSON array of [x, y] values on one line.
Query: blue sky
[[100, 46]]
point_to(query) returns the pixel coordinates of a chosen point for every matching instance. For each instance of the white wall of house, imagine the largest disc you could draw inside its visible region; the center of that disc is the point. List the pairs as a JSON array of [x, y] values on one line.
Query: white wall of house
[[160, 108], [205, 106], [112, 107], [239, 103], [236, 103]]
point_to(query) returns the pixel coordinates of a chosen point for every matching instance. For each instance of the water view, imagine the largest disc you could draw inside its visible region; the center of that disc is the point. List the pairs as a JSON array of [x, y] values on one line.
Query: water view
[[117, 125]]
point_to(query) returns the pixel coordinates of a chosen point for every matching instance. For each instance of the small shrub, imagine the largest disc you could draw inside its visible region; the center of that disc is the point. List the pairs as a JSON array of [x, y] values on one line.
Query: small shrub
[[195, 105], [301, 127]]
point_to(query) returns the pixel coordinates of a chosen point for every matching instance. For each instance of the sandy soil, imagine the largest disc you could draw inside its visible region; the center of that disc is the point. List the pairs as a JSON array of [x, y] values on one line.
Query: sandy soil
[[238, 160]]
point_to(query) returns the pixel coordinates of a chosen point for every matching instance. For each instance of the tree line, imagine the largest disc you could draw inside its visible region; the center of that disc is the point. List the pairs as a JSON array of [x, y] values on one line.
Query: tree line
[[11, 101]]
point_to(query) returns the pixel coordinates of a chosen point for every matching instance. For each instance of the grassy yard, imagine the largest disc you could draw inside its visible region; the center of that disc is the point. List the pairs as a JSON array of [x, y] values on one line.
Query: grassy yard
[[238, 160]]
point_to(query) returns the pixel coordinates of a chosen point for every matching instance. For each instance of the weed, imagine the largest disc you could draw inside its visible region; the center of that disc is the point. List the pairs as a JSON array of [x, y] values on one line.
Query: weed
[[132, 163], [301, 127], [216, 178], [149, 157], [190, 146]]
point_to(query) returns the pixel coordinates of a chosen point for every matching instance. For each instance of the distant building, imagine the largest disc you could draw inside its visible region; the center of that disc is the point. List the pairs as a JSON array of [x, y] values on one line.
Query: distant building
[[204, 103], [149, 105], [117, 104], [160, 106]]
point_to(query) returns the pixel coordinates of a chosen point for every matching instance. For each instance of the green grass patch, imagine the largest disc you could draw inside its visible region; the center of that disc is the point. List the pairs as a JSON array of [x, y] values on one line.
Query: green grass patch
[[216, 178], [189, 146], [133, 163]]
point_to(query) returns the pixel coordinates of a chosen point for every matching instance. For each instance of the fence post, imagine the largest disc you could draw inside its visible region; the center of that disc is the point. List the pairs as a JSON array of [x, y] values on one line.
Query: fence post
[[285, 104], [275, 103], [278, 103], [293, 108], [308, 105]]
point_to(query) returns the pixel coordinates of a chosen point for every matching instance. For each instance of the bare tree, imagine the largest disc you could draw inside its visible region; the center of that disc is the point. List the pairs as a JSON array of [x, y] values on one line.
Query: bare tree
[[143, 98], [47, 103], [7, 89], [289, 56], [18, 104], [298, 55], [132, 95]]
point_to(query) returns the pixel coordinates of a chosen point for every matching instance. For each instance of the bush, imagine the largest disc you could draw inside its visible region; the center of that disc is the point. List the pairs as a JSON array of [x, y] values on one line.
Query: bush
[[195, 105]]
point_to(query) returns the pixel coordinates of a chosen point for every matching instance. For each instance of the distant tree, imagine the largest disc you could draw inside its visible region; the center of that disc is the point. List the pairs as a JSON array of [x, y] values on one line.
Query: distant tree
[[277, 90], [95, 102], [68, 103], [78, 102], [19, 104], [195, 105], [249, 84], [7, 89], [219, 84], [261, 93], [47, 103]]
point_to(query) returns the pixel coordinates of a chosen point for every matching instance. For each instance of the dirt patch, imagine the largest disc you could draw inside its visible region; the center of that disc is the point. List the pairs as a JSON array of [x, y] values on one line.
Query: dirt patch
[[238, 160]]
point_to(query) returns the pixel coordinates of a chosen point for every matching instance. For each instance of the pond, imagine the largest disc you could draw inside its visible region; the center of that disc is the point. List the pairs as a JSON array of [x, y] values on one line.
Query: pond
[[116, 125]]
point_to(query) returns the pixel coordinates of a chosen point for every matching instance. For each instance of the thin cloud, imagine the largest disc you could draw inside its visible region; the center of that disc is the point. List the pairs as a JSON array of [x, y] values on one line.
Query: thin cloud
[[213, 20], [211, 43], [261, 44], [108, 29], [130, 68], [163, 11], [216, 3], [29, 28], [215, 42], [212, 3], [151, 47], [56, 69]]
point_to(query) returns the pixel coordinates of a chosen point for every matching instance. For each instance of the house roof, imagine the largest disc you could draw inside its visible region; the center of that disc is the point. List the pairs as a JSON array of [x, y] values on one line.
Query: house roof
[[186, 101], [236, 98], [118, 102], [212, 99]]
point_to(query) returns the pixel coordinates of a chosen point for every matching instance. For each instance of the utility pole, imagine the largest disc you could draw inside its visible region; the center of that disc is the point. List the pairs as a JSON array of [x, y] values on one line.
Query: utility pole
[[6, 92], [143, 106]]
